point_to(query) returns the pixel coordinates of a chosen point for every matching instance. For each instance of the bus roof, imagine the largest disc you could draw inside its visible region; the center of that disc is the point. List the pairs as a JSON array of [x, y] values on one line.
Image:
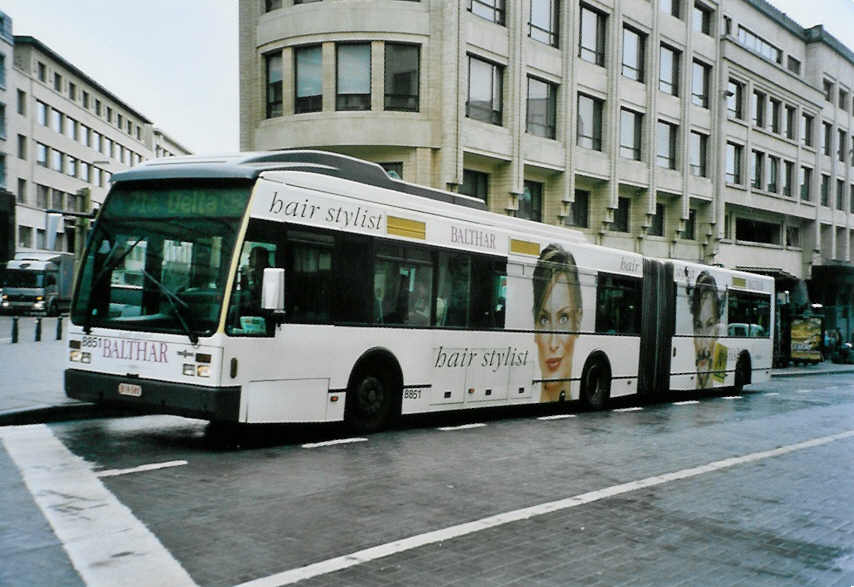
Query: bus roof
[[250, 165]]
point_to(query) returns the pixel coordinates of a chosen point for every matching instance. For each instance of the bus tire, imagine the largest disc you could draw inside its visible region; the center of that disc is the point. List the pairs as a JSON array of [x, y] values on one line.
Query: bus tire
[[370, 403], [596, 382]]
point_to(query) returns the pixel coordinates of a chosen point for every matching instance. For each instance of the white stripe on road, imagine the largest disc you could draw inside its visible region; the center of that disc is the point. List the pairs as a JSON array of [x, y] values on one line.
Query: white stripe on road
[[635, 409], [557, 417], [463, 427], [771, 393], [731, 397], [333, 442], [804, 390], [139, 469], [686, 403], [390, 548], [105, 542]]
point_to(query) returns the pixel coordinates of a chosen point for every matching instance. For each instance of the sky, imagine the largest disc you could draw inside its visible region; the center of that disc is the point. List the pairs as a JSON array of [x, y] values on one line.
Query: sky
[[175, 61]]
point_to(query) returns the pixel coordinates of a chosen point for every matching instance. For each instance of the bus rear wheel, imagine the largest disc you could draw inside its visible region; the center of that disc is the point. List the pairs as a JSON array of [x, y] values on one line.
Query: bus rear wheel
[[740, 375], [369, 404], [595, 384]]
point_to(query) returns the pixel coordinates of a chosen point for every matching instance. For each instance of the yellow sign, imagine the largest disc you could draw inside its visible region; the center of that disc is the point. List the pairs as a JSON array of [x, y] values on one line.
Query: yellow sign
[[719, 363], [524, 247], [406, 227]]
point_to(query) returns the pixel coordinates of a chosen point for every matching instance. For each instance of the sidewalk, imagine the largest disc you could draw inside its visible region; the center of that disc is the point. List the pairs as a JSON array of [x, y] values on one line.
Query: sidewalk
[[31, 376]]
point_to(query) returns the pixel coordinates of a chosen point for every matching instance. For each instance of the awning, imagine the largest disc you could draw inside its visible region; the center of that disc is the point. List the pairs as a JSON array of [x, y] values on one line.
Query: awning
[[775, 272]]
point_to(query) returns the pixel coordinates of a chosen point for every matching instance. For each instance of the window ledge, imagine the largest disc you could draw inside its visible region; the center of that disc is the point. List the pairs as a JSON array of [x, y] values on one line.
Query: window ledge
[[755, 244]]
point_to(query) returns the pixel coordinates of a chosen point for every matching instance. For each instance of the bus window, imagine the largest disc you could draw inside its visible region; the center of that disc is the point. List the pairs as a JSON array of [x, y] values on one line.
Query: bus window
[[403, 285], [489, 279], [618, 304], [308, 277], [452, 298], [748, 314]]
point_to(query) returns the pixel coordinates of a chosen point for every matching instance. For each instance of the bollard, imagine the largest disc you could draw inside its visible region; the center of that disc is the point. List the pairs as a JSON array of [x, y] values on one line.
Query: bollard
[[59, 327], [38, 329], [14, 329]]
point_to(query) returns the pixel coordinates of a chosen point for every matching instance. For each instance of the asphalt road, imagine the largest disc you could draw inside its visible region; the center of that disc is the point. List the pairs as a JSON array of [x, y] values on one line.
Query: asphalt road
[[749, 490]]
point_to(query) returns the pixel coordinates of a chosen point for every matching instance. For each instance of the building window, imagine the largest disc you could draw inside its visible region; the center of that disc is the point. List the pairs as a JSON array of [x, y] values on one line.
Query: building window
[[42, 196], [57, 82], [806, 130], [22, 147], [825, 190], [843, 99], [22, 191], [700, 85], [393, 169], [670, 7], [827, 137], [2, 121], [759, 46], [402, 66], [475, 184], [851, 198], [491, 10], [697, 152], [633, 54], [85, 99], [733, 163], [109, 114], [25, 236], [758, 108], [543, 25], [774, 115], [702, 19], [840, 194], [353, 76], [656, 227], [42, 72], [621, 215], [668, 77], [579, 210], [484, 91], [735, 99], [793, 236], [72, 91], [827, 85], [757, 231], [790, 122], [57, 121], [2, 171], [22, 103], [274, 4], [308, 74], [41, 154], [2, 63], [97, 107], [591, 42], [773, 171], [665, 152], [589, 122], [788, 177], [57, 161], [531, 202], [630, 134], [756, 170], [794, 65], [806, 184], [274, 84], [542, 108], [840, 147], [690, 232], [42, 112]]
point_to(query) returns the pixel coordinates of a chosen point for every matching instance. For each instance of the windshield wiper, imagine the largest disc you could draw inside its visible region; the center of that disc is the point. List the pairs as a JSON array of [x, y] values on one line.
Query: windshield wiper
[[174, 300]]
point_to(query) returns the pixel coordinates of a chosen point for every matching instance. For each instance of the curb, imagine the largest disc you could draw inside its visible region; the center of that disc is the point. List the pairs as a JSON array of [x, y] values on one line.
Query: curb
[[808, 373]]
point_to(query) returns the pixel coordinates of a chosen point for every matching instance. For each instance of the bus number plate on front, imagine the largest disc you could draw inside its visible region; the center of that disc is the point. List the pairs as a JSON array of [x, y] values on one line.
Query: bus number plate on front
[[130, 389]]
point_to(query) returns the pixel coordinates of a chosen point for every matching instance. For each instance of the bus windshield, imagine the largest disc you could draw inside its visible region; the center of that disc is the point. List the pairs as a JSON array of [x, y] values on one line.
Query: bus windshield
[[21, 278], [159, 256]]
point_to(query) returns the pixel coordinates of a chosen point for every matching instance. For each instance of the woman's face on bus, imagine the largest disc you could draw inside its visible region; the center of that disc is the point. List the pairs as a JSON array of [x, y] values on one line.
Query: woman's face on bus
[[706, 332], [555, 335]]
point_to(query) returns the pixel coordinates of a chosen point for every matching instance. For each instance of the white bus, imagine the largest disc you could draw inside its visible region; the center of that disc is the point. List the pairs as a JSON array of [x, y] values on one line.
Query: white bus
[[303, 286]]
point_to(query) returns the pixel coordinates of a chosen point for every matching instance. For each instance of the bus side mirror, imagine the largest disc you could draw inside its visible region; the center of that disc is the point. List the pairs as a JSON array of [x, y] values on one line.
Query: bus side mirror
[[273, 290]]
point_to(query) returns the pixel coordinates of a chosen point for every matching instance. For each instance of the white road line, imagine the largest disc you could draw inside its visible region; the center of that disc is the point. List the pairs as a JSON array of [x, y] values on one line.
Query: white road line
[[686, 403], [139, 469], [105, 542], [771, 393], [333, 442], [390, 548], [463, 427], [732, 397], [634, 409], [804, 390], [557, 417]]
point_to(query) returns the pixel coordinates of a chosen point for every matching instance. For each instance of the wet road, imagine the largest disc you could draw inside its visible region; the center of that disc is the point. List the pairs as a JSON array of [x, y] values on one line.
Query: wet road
[[747, 490]]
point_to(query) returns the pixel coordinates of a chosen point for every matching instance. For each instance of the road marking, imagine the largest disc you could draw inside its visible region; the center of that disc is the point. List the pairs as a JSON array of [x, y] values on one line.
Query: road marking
[[105, 542], [804, 390], [139, 469], [634, 409], [686, 403], [333, 442], [772, 393], [463, 427], [383, 550], [732, 397], [557, 417]]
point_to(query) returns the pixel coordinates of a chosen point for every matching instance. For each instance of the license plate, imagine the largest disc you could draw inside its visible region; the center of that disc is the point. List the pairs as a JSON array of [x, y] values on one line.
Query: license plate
[[130, 389]]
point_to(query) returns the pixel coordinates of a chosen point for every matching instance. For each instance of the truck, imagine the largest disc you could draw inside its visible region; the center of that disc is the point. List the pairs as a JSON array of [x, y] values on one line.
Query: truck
[[37, 283]]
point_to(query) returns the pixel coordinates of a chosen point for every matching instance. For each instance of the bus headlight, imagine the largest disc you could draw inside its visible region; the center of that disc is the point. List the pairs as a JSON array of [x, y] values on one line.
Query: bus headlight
[[203, 370], [189, 369], [74, 356], [85, 357]]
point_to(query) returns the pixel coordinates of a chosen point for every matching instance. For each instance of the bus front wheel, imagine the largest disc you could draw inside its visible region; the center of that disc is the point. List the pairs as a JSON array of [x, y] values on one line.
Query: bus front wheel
[[595, 384], [369, 403]]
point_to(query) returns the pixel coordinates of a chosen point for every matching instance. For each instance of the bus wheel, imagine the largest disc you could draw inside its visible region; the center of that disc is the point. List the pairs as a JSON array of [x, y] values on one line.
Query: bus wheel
[[369, 404], [596, 384]]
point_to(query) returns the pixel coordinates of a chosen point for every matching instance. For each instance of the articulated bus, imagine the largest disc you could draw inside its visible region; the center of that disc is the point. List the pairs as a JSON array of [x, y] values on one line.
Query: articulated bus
[[303, 286]]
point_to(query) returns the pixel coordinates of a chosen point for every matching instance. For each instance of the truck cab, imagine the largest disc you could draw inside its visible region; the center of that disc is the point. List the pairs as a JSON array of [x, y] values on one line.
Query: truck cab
[[36, 283]]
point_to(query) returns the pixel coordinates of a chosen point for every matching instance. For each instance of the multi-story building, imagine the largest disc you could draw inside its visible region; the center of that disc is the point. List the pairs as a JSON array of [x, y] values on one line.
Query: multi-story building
[[710, 130], [63, 136]]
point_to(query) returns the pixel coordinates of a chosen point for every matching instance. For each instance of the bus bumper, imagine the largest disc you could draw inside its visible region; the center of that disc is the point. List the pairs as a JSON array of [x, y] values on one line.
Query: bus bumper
[[155, 397]]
